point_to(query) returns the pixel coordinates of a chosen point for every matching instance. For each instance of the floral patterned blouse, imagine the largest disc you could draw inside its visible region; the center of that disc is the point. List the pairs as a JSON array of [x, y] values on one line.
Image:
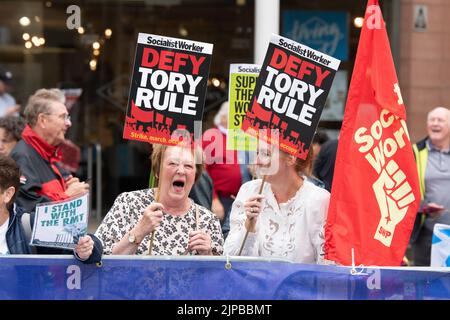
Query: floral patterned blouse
[[172, 235]]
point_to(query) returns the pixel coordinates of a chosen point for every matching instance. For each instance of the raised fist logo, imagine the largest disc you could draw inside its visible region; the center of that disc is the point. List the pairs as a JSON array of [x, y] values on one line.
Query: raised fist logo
[[394, 195]]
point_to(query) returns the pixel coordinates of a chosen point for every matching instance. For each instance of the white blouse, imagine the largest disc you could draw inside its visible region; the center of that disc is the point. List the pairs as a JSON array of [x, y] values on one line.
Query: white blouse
[[292, 230]]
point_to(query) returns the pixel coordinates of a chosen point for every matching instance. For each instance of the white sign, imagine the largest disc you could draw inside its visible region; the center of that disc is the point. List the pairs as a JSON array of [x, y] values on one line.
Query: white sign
[[440, 246], [60, 224]]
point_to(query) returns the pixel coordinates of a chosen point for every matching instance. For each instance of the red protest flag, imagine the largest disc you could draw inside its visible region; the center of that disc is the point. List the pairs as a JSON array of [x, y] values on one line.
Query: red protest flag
[[375, 192]]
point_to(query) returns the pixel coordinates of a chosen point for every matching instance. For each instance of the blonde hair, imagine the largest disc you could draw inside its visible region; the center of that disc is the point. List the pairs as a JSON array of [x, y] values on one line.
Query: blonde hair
[[158, 156]]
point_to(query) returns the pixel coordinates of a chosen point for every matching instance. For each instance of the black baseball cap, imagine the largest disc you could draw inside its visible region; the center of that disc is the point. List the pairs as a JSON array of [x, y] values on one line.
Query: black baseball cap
[[5, 75]]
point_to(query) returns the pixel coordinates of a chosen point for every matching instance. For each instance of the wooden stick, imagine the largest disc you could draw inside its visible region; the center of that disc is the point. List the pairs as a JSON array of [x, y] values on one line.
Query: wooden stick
[[157, 194], [251, 219]]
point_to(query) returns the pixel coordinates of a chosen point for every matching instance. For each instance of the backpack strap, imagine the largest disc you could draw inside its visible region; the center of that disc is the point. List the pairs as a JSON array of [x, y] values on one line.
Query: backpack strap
[[26, 224]]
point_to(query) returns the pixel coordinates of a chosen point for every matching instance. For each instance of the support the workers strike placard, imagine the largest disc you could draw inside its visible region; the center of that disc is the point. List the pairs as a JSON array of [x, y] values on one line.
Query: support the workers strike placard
[[168, 88], [290, 94], [242, 85]]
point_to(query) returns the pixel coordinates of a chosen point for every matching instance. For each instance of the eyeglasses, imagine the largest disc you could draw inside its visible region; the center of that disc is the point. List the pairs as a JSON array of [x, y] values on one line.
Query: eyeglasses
[[65, 117]]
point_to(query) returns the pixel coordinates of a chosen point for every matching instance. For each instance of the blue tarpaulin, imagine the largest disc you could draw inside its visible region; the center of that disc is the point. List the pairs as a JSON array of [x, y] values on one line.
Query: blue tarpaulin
[[197, 278]]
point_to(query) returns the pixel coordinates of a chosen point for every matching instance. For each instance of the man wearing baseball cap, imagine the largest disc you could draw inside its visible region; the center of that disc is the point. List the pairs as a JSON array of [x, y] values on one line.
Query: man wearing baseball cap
[[8, 104]]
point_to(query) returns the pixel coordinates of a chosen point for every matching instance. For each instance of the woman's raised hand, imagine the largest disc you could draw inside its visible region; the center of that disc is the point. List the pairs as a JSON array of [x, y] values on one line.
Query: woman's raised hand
[[151, 219], [252, 207]]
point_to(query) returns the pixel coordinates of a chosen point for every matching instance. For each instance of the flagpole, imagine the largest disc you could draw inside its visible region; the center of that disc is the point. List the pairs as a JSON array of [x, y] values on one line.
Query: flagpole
[[252, 222]]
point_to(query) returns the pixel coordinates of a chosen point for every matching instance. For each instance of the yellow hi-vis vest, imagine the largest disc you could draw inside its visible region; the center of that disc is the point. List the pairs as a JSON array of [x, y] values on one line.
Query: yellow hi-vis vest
[[421, 156]]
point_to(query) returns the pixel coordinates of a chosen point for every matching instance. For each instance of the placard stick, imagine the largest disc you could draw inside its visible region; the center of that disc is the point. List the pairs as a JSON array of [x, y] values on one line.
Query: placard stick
[[252, 222], [157, 194]]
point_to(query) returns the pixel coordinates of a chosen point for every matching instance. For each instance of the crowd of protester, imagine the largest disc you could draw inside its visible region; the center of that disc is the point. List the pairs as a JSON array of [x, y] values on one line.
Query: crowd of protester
[[276, 211]]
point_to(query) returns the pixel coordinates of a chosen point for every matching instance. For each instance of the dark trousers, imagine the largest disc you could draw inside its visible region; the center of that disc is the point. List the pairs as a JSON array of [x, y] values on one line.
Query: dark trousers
[[421, 248], [227, 203]]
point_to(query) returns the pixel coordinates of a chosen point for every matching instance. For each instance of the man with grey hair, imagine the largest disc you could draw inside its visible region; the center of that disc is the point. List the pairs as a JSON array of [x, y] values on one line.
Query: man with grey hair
[[43, 179], [433, 165]]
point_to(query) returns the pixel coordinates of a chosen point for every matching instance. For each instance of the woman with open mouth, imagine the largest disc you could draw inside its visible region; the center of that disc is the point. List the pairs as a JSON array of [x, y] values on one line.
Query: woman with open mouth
[[164, 220]]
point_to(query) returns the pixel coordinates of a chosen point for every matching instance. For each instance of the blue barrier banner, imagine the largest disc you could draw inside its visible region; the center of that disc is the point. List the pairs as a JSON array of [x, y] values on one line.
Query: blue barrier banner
[[200, 278], [326, 31]]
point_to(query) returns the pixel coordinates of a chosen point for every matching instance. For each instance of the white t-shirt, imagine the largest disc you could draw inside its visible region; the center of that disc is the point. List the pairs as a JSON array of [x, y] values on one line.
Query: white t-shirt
[[292, 230], [3, 244], [6, 101]]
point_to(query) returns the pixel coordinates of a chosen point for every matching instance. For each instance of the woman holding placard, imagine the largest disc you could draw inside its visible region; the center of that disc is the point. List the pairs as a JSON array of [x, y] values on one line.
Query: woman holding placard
[[172, 225], [285, 218]]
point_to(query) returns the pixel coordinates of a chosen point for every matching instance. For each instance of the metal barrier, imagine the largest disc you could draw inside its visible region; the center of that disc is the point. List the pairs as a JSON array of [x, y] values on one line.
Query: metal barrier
[[95, 150], [216, 278]]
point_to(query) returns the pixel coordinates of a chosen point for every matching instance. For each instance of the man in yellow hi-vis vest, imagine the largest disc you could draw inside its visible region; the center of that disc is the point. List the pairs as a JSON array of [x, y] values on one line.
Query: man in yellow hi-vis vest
[[433, 164]]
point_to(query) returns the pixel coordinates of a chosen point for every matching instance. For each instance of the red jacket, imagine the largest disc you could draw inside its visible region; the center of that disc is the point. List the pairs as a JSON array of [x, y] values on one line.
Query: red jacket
[[226, 177], [42, 177]]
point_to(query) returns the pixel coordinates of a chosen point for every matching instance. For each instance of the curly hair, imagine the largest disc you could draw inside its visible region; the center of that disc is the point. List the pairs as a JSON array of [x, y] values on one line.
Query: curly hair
[[13, 127], [9, 176]]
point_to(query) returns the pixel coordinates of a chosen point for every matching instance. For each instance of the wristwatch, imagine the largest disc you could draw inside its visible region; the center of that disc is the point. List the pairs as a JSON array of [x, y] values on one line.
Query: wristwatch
[[132, 239]]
